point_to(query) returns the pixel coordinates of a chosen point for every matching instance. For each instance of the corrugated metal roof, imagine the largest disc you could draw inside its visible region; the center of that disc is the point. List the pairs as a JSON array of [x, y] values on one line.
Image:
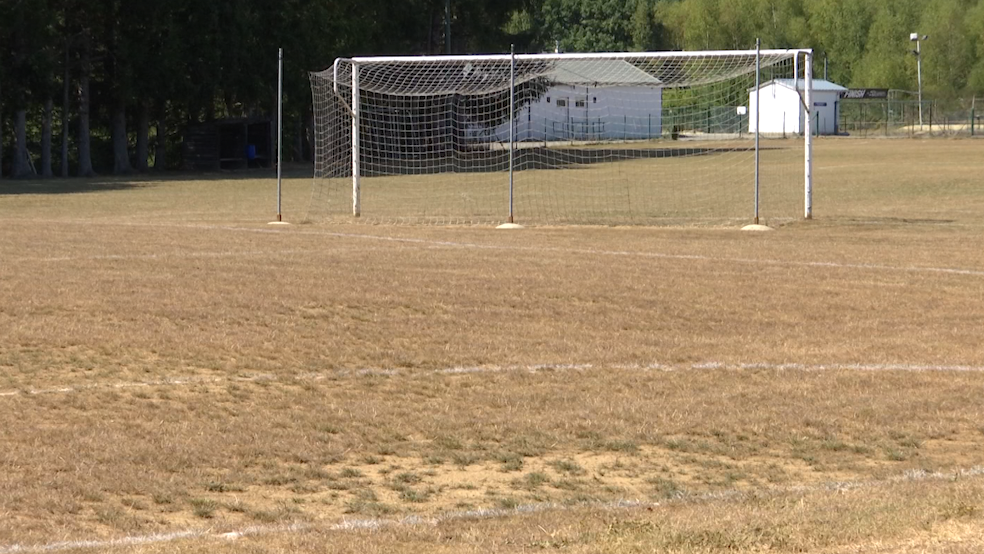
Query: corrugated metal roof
[[819, 85], [599, 73]]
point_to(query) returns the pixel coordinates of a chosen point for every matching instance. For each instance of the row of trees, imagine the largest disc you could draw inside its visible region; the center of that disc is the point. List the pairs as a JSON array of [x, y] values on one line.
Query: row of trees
[[115, 81], [864, 43], [109, 85]]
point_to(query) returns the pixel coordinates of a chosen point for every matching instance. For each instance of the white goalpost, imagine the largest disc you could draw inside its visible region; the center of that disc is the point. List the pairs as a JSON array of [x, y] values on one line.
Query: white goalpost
[[633, 138]]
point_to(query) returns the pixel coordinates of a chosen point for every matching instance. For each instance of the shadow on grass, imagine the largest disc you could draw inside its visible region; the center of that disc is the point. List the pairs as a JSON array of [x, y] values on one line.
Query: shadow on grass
[[63, 186], [77, 185], [529, 156]]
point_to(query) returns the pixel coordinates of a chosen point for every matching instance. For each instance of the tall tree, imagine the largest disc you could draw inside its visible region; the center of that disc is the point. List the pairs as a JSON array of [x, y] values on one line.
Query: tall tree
[[30, 32], [586, 25], [4, 10], [886, 62], [694, 24], [975, 31], [839, 29], [948, 55], [115, 31], [84, 104], [78, 21], [643, 27], [782, 23]]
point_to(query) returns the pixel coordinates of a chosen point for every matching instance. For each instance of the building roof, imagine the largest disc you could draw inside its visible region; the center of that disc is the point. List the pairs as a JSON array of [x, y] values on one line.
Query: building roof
[[597, 72], [819, 85]]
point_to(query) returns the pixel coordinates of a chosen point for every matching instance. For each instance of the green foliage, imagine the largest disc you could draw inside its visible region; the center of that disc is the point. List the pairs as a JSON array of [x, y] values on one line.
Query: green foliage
[[950, 54], [864, 42], [586, 25], [198, 60], [643, 27]]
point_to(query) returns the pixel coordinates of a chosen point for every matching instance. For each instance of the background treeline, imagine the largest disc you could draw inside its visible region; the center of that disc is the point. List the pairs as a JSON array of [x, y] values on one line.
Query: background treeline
[[125, 77]]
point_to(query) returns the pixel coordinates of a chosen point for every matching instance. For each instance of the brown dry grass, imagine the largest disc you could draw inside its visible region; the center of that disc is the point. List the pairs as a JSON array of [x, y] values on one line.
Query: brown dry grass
[[169, 362], [690, 183]]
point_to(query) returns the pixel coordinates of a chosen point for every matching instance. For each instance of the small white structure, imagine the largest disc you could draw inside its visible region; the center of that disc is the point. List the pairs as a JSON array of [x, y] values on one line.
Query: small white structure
[[592, 99], [782, 107]]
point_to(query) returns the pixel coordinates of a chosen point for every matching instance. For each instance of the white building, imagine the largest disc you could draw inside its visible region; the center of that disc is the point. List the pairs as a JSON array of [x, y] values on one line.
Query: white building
[[592, 99], [782, 107]]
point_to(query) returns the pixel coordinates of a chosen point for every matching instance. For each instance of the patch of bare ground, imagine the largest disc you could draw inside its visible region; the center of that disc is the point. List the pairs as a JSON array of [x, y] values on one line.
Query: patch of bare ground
[[107, 463]]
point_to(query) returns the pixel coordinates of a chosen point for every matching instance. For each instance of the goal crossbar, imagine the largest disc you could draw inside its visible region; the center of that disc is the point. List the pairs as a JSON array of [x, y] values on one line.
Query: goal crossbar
[[585, 55]]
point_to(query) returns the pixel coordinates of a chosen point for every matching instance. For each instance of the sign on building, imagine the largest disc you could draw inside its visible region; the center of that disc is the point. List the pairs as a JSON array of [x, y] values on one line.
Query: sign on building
[[867, 93]]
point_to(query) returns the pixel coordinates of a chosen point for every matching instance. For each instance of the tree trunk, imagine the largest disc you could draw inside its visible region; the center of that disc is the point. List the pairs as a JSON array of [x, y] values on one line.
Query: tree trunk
[[143, 137], [20, 167], [121, 154], [160, 143], [1, 133], [66, 109], [85, 154], [49, 107], [299, 139]]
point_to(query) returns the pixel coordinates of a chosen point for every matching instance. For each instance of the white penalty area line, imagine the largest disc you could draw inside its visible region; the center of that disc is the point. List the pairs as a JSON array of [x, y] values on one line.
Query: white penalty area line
[[460, 370], [665, 256], [500, 247], [171, 255], [486, 514], [597, 252]]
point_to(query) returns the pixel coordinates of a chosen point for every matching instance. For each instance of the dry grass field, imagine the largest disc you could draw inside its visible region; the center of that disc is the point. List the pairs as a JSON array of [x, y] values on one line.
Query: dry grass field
[[178, 376], [690, 182]]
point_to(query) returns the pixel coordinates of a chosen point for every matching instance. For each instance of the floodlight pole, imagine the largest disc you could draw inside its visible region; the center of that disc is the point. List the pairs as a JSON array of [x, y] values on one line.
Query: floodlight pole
[[758, 110], [915, 37], [280, 127], [512, 123], [919, 79]]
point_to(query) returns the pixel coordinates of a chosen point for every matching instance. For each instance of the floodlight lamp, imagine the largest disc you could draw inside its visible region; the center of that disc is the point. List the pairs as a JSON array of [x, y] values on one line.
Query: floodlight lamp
[[913, 36]]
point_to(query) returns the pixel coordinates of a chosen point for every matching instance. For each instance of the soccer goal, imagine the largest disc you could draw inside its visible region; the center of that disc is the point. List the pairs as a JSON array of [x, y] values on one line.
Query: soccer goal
[[653, 138]]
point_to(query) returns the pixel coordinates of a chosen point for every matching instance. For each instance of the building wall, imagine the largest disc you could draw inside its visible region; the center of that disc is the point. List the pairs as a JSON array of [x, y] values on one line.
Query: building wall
[[825, 106], [608, 113], [782, 111]]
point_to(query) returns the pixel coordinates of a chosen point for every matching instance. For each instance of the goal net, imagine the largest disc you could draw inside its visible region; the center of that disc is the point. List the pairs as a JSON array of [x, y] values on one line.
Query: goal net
[[664, 138]]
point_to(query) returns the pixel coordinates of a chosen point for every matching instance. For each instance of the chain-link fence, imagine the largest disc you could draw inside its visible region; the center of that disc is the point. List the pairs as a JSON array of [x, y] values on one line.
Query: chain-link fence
[[904, 117]]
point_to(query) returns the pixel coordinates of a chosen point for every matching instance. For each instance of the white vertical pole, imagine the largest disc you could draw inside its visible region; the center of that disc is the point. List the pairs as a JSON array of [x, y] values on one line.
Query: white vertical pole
[[796, 73], [919, 79], [356, 191], [512, 123], [758, 120], [334, 68], [280, 127], [808, 129]]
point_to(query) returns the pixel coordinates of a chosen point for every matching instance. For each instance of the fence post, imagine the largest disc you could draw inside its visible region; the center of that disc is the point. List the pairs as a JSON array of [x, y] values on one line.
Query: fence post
[[888, 115], [862, 123]]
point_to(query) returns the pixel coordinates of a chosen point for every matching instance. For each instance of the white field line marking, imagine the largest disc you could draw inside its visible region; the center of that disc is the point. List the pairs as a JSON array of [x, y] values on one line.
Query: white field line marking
[[170, 255], [581, 251], [493, 513], [699, 366]]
